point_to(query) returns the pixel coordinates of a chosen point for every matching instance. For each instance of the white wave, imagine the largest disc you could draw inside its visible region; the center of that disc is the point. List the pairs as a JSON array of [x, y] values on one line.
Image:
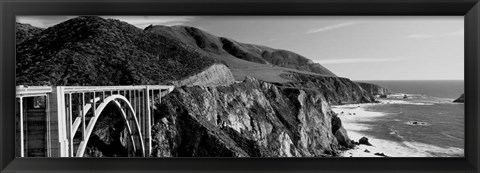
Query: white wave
[[405, 102], [395, 133], [356, 114], [433, 150], [398, 149], [450, 136], [354, 117]]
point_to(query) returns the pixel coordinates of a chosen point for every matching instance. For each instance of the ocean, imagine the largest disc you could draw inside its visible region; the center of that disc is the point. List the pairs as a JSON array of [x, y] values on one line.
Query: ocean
[[426, 121], [449, 89]]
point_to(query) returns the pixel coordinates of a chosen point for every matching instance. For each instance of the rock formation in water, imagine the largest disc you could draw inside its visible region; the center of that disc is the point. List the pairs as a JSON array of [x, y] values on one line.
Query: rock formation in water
[[251, 118], [460, 99], [374, 89]]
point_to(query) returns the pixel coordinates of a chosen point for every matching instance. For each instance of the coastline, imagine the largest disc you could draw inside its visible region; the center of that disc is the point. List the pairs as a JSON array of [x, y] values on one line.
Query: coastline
[[354, 118]]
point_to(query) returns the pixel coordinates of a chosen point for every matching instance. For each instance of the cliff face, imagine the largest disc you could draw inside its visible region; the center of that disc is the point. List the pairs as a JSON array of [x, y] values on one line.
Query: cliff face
[[374, 89], [460, 99], [251, 118], [217, 74], [336, 90]]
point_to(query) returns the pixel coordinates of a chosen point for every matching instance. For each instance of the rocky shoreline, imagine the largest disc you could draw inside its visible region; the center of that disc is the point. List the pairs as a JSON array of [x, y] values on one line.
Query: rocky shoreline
[[356, 119]]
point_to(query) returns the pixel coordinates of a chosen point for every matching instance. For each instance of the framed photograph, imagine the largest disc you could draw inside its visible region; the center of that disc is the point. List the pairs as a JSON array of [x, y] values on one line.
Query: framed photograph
[[240, 86]]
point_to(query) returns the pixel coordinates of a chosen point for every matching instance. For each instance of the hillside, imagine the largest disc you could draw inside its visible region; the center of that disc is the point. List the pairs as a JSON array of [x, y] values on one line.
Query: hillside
[[90, 50], [96, 51], [243, 59], [25, 32]]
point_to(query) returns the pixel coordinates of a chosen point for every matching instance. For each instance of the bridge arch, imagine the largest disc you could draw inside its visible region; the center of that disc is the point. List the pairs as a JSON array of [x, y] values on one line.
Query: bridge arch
[[133, 127]]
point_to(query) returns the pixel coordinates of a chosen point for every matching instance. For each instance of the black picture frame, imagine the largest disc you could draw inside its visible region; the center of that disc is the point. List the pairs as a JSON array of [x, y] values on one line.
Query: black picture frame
[[470, 9]]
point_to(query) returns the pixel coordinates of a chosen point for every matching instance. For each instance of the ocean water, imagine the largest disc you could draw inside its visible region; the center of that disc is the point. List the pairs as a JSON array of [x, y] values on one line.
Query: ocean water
[[427, 117], [450, 89]]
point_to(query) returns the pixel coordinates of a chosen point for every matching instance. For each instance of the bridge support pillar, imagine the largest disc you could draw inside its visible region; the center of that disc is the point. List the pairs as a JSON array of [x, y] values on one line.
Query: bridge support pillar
[[148, 122], [56, 121]]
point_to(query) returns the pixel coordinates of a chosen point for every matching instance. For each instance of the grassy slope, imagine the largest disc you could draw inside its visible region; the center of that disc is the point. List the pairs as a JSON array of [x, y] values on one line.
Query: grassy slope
[[261, 62]]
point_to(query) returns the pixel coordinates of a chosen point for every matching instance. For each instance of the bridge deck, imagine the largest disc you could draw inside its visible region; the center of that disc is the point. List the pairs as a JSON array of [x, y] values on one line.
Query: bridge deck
[[41, 90]]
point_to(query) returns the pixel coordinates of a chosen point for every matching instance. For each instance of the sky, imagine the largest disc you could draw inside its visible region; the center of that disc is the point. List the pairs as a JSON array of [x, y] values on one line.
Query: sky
[[356, 47]]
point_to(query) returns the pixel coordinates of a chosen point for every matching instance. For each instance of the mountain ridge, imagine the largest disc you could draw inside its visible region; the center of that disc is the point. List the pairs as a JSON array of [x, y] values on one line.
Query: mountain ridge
[[95, 51], [250, 52], [90, 50], [96, 46]]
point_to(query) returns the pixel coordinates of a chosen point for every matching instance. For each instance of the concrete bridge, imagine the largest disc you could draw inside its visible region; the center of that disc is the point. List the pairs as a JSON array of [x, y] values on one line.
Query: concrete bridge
[[58, 121]]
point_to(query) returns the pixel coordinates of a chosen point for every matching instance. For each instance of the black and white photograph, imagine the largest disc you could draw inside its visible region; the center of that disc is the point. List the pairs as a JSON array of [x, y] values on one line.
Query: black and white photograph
[[239, 86]]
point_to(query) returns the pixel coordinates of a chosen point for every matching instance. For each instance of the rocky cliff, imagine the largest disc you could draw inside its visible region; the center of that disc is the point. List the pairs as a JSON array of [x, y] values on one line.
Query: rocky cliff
[[336, 90], [217, 74], [374, 89], [251, 118], [460, 99]]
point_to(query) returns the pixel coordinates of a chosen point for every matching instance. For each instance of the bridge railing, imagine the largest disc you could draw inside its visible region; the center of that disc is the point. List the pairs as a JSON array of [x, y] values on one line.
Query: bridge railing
[[32, 91], [66, 108], [80, 89]]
